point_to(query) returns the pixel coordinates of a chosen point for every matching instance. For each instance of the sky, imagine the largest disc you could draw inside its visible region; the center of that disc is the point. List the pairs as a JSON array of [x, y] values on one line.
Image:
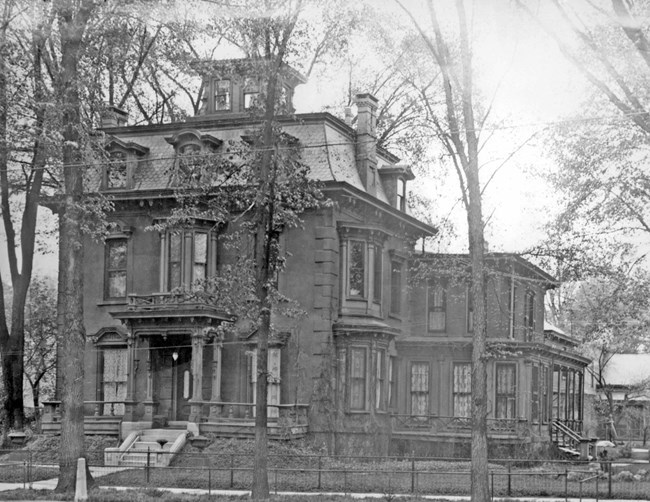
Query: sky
[[532, 85]]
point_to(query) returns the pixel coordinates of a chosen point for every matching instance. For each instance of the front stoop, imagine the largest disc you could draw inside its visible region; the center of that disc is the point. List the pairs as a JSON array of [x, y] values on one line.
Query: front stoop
[[153, 447]]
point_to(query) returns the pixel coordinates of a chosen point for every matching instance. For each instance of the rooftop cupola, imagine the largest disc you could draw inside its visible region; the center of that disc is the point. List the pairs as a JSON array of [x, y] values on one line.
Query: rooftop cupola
[[236, 87]]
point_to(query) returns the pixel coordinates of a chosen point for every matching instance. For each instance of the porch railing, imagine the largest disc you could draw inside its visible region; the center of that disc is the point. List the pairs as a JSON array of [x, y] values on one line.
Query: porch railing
[[296, 414], [156, 301], [566, 432], [435, 424]]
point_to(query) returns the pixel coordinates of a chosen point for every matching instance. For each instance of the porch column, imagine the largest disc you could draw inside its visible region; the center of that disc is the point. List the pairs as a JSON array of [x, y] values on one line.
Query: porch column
[[129, 406], [197, 376], [217, 354], [149, 405]]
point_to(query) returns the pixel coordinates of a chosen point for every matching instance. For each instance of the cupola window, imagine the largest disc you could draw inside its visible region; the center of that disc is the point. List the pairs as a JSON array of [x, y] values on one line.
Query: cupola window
[[222, 95]]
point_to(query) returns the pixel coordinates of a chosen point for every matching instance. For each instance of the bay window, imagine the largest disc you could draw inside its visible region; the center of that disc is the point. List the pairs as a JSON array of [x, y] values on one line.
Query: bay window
[[357, 269], [396, 287], [189, 258], [358, 378], [506, 390], [380, 380]]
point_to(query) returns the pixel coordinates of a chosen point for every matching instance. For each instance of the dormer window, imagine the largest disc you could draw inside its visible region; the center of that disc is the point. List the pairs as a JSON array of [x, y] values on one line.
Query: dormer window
[[121, 163], [401, 194], [192, 153], [189, 157], [222, 93], [116, 170]]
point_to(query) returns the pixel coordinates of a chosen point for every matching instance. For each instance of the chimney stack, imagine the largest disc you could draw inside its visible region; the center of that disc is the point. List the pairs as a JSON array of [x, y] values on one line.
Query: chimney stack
[[114, 117], [367, 141]]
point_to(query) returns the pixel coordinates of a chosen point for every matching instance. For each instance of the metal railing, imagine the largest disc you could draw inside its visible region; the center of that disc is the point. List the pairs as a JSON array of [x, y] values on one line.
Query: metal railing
[[348, 474], [441, 424]]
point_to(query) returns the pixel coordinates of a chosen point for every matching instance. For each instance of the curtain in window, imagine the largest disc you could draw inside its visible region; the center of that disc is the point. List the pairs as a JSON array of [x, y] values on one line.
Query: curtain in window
[[505, 391], [419, 388], [114, 386], [462, 389]]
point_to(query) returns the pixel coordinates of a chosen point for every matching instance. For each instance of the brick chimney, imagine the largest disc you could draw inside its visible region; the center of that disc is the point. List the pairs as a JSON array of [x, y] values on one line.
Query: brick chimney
[[367, 141], [114, 117]]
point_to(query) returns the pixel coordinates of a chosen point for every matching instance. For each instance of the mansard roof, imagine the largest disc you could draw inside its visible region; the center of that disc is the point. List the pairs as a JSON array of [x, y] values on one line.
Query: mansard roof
[[328, 148]]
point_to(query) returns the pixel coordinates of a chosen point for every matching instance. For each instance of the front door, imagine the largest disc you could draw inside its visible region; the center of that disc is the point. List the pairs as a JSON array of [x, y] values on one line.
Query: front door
[[182, 376], [174, 382]]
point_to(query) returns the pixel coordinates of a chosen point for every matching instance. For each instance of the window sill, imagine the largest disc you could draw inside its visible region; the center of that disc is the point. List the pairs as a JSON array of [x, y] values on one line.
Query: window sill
[[115, 301], [358, 412]]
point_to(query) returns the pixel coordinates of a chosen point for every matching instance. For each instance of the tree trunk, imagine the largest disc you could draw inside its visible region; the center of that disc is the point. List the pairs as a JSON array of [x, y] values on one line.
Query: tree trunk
[[72, 23]]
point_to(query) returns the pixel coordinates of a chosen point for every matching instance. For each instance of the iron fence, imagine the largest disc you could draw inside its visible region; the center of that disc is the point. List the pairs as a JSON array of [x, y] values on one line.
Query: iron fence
[[347, 474]]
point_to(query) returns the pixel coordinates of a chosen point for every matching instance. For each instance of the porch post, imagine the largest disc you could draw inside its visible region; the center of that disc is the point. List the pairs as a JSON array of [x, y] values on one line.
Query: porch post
[[217, 354], [149, 405], [129, 406], [197, 376]]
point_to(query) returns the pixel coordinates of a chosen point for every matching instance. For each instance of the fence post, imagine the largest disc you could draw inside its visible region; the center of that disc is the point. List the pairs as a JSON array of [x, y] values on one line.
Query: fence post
[[148, 464], [232, 472], [492, 485], [413, 474], [509, 479], [320, 466], [566, 484], [609, 480]]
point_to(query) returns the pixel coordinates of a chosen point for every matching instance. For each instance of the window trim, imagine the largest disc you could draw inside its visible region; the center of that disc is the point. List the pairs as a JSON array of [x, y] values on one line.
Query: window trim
[[529, 316], [213, 95], [455, 393], [400, 191], [508, 396], [107, 269], [364, 379], [427, 393], [380, 380], [187, 255], [395, 308], [469, 309], [432, 285]]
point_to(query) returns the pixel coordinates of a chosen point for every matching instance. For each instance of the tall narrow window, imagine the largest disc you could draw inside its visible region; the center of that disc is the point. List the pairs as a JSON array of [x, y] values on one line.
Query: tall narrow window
[[544, 393], [529, 316], [419, 388], [513, 310], [555, 390], [534, 394], [401, 195], [506, 388], [251, 93], [114, 380], [221, 95], [392, 382], [116, 172], [470, 309], [115, 271], [377, 275], [357, 269], [436, 307], [175, 260], [396, 288], [357, 379], [200, 265], [462, 390], [380, 380]]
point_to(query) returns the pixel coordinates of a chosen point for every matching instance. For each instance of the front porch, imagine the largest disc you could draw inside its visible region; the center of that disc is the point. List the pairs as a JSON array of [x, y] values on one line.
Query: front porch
[[285, 421]]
